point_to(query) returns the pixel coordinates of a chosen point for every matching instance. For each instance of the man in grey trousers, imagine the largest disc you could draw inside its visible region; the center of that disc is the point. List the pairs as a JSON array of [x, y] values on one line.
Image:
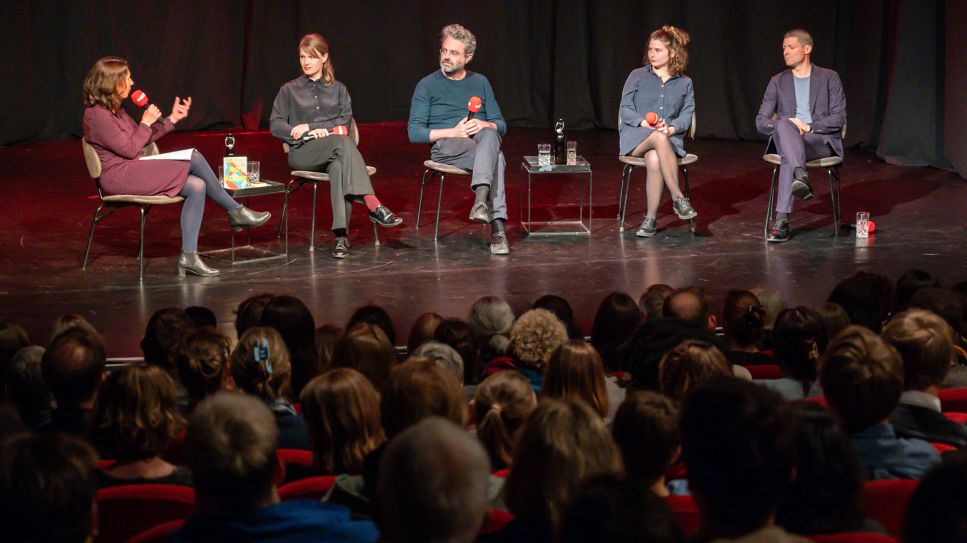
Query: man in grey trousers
[[438, 115], [811, 111]]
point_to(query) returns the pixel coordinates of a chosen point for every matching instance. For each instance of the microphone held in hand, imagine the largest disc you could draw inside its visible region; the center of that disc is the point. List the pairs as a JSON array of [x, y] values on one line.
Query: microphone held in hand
[[651, 118], [473, 106], [139, 98]]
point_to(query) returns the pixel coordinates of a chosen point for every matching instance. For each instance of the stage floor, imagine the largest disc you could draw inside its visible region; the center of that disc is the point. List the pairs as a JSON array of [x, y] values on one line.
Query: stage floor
[[50, 201]]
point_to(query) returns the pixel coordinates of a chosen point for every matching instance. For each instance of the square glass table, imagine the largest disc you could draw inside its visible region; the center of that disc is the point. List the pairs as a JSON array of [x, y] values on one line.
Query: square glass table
[[556, 227]]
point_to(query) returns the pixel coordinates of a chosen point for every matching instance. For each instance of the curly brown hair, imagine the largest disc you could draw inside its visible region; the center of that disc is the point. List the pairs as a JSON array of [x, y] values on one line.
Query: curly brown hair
[[534, 337], [102, 82], [676, 39]]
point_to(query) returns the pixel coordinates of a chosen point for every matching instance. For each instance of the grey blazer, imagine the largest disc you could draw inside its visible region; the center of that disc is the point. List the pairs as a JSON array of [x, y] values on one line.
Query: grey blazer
[[827, 105]]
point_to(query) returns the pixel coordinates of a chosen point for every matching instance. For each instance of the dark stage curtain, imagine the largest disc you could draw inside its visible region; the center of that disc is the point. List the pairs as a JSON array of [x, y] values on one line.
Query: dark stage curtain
[[545, 58]]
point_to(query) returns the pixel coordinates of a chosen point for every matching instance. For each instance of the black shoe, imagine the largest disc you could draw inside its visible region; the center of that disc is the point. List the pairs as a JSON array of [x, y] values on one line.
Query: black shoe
[[384, 217], [780, 232], [341, 250], [800, 185]]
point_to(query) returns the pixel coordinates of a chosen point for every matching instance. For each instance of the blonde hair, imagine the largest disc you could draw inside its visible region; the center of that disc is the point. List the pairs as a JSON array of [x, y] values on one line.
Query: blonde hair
[[315, 43], [676, 39], [102, 82], [261, 365], [534, 337], [575, 372], [688, 364]]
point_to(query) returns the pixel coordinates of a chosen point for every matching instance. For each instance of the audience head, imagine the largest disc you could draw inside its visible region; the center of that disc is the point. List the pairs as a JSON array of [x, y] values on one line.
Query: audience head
[[249, 312], [560, 307], [501, 404], [866, 297], [201, 316], [444, 356], [909, 284], [341, 409], [796, 338], [67, 321], [562, 445], [772, 300], [376, 315], [47, 488], [646, 431], [261, 365], [422, 330], [691, 306], [575, 373], [417, 389], [327, 337], [435, 485], [935, 513], [491, 319], [201, 360], [231, 444], [12, 339], [946, 303], [925, 343], [534, 337], [824, 496], [73, 366], [690, 363], [135, 414], [292, 319], [26, 388], [457, 334], [615, 320], [862, 377], [162, 333], [834, 320], [607, 508], [652, 300], [739, 442], [743, 318], [365, 348]]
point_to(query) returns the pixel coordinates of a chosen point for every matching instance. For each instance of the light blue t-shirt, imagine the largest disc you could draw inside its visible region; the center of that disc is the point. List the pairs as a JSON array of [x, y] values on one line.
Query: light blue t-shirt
[[802, 99]]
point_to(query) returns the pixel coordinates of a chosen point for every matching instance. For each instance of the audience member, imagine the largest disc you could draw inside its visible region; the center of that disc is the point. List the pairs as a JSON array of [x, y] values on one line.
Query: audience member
[[458, 335], [687, 365], [73, 368], [614, 321], [607, 508], [834, 319], [575, 373], [691, 306], [261, 367], [646, 432], [909, 284], [327, 337], [797, 334], [739, 442], [375, 315], [862, 378], [134, 419], [201, 316], [952, 307], [866, 297], [67, 321], [501, 404], [26, 388], [925, 344], [12, 338], [365, 348], [163, 332], [436, 485], [935, 513], [534, 336], [292, 319], [249, 312], [444, 356], [231, 443], [491, 319], [655, 338], [422, 330], [341, 409], [200, 359], [560, 307], [652, 301], [774, 302], [47, 489], [744, 321]]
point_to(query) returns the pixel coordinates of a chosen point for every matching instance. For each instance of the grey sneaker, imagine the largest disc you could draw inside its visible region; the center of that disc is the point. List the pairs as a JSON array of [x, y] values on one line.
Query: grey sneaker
[[480, 213], [341, 250], [648, 228], [683, 208], [499, 245]]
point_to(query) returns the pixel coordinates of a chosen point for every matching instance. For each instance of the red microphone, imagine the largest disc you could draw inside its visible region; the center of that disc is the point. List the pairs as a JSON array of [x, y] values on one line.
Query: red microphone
[[473, 106], [139, 98], [651, 118]]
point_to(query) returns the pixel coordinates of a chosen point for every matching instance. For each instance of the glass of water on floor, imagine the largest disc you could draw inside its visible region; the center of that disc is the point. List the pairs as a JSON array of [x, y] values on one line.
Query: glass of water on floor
[[572, 153], [544, 155], [862, 224]]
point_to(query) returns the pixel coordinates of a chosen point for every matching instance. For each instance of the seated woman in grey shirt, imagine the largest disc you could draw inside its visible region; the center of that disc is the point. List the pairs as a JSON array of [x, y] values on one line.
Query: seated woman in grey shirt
[[662, 88], [312, 114]]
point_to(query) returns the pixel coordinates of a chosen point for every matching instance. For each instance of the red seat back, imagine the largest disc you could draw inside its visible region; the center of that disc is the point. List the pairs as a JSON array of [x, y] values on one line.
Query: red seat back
[[686, 511], [127, 510], [854, 537], [953, 399], [310, 488], [175, 453], [959, 418], [497, 520], [294, 464], [502, 473], [765, 371], [885, 501], [159, 534], [942, 447]]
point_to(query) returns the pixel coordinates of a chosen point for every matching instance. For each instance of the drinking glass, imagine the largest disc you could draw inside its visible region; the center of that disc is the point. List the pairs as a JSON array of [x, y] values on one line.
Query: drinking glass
[[253, 171], [544, 155], [572, 153], [862, 224]]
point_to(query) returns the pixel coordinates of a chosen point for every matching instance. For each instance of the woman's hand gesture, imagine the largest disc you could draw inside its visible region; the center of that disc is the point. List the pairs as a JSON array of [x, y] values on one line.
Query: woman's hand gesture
[[180, 109]]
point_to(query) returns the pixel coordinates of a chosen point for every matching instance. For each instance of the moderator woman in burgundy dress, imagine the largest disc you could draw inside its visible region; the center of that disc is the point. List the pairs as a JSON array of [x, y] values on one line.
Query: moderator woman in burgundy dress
[[118, 141]]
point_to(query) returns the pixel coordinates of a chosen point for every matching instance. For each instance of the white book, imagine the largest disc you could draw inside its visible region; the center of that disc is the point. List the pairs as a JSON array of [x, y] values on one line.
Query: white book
[[184, 154]]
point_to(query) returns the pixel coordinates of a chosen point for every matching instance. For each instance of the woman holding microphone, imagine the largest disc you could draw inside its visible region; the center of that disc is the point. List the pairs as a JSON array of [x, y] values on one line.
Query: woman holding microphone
[[660, 87], [118, 141]]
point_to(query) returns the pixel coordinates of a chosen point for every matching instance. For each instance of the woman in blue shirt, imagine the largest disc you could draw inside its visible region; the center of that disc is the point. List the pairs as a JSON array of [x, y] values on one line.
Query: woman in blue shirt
[[660, 87]]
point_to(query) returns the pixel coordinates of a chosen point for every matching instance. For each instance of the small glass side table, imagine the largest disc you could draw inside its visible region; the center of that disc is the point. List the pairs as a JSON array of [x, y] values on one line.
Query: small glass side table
[[270, 187], [560, 227]]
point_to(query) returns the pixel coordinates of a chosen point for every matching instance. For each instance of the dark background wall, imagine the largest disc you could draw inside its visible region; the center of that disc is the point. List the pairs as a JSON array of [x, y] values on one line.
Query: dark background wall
[[545, 58]]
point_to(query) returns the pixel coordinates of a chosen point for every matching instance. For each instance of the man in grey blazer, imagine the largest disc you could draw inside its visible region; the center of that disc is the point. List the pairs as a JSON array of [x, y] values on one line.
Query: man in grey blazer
[[802, 112]]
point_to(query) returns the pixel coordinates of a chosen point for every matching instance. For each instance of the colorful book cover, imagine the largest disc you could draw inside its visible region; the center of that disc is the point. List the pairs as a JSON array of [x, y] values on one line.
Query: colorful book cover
[[235, 174]]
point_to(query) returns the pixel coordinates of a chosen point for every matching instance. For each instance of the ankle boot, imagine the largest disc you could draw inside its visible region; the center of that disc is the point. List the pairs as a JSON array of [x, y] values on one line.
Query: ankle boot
[[243, 216], [191, 262]]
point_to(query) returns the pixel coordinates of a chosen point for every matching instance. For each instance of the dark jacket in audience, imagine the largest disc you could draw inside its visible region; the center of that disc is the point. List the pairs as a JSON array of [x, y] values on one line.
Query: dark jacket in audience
[[70, 420], [919, 416], [293, 433]]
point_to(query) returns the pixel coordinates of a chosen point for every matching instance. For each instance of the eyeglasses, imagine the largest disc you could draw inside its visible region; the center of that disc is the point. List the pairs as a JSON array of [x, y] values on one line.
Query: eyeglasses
[[450, 52]]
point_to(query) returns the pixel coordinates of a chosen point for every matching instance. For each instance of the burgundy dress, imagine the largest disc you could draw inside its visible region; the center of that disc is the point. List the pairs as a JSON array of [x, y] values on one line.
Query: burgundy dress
[[118, 140]]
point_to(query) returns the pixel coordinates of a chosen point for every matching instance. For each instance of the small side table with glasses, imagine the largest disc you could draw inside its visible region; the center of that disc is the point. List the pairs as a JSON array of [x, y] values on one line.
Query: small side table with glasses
[[531, 166], [265, 187]]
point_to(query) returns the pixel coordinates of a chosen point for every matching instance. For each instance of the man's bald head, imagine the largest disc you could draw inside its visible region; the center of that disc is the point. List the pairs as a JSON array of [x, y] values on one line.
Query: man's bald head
[[690, 305]]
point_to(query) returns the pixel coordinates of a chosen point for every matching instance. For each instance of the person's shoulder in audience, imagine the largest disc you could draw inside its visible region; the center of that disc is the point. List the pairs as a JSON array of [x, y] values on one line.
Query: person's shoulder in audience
[[771, 534], [910, 420], [180, 476], [744, 358], [886, 456]]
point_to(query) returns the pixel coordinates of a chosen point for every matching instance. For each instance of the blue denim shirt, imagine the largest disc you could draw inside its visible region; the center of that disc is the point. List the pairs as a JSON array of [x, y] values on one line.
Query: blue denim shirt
[[885, 456], [673, 100]]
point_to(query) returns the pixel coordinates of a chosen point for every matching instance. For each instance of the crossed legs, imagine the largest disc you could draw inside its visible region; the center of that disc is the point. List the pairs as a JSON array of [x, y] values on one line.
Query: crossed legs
[[661, 164]]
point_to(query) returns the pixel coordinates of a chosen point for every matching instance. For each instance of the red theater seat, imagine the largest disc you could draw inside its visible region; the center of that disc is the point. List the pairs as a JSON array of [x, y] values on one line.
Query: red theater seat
[[159, 534], [127, 510], [953, 399], [687, 514], [497, 520], [310, 488], [885, 501], [765, 371], [854, 537], [959, 418]]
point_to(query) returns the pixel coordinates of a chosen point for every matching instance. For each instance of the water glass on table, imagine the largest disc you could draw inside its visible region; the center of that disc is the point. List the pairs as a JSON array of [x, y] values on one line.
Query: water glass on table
[[862, 224], [254, 171], [544, 155], [572, 153]]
